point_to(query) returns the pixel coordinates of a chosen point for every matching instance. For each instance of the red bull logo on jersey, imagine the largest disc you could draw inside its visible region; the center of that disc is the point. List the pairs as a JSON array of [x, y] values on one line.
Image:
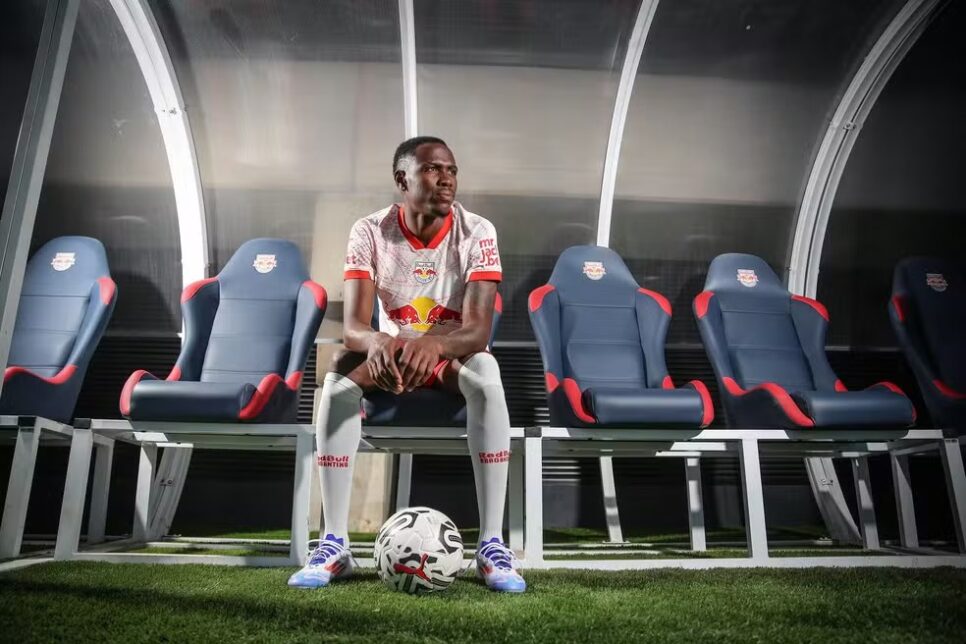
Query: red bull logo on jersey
[[424, 272], [747, 277], [265, 263], [594, 270], [422, 314], [936, 282]]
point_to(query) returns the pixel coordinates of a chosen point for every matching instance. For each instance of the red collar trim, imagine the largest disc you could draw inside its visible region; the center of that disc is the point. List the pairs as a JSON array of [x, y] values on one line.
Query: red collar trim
[[415, 241]]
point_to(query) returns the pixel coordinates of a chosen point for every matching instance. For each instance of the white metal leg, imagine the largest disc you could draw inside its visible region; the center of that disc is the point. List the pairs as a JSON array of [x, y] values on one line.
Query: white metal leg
[[103, 463], [75, 491], [515, 506], [166, 489], [609, 489], [905, 507], [142, 496], [304, 449], [692, 469], [863, 500], [18, 491], [955, 486], [404, 481], [754, 499], [533, 531]]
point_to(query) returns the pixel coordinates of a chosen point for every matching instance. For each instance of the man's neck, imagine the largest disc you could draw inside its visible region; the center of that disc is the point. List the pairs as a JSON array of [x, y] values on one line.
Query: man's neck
[[424, 225]]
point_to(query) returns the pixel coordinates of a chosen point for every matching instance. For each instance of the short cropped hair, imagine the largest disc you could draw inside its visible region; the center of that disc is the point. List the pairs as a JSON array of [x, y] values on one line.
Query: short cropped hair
[[408, 148]]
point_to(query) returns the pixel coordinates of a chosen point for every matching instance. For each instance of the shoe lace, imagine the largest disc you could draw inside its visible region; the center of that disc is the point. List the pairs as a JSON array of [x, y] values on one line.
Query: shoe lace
[[497, 554], [326, 549]]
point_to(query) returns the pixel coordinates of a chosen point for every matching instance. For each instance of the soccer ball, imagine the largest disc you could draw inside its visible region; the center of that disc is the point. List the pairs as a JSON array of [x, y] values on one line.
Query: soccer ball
[[418, 550]]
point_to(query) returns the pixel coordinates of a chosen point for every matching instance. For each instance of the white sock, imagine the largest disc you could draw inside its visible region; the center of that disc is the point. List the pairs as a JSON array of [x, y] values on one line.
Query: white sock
[[488, 433], [338, 428]]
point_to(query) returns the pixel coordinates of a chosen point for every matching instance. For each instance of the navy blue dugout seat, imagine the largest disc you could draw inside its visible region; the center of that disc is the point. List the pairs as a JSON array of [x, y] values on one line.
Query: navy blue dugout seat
[[65, 304], [767, 348], [602, 340], [928, 313], [422, 407], [248, 333]]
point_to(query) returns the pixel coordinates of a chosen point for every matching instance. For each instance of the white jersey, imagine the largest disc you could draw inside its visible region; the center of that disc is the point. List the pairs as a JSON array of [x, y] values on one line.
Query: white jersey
[[420, 285]]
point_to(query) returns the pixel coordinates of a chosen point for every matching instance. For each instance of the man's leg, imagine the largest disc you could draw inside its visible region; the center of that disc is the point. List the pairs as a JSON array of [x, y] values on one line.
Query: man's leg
[[338, 430], [488, 433]]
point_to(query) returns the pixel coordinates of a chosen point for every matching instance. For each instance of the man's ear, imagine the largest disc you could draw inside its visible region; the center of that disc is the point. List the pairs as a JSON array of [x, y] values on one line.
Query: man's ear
[[400, 177]]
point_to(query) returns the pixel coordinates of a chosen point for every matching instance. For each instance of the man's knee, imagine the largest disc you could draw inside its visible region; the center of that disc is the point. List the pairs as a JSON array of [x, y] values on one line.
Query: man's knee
[[480, 374]]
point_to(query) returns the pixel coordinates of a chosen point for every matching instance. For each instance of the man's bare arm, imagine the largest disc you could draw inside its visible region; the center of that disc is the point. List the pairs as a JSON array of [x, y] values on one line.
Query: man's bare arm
[[359, 336]]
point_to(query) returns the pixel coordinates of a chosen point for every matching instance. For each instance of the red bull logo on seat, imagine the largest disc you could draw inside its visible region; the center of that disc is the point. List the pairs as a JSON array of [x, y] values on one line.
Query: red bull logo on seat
[[265, 263], [63, 261], [936, 282], [422, 314], [747, 277], [594, 270], [424, 272]]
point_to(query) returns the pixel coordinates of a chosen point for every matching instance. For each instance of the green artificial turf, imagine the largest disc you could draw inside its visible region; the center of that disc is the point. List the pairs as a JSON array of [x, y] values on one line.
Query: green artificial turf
[[96, 602]]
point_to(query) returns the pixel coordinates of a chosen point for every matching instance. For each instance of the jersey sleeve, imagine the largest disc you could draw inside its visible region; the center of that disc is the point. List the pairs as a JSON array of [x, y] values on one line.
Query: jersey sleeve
[[359, 254], [483, 258]]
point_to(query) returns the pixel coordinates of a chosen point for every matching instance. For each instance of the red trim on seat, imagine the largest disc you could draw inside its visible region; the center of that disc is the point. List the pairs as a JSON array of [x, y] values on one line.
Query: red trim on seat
[[175, 374], [574, 395], [415, 241], [356, 275], [489, 276], [192, 289], [840, 386], [777, 392], [535, 301], [667, 383], [660, 299], [707, 405], [815, 304], [897, 305], [701, 303], [263, 393], [294, 380], [59, 378], [128, 389], [552, 382], [108, 288], [946, 390], [321, 297], [498, 303]]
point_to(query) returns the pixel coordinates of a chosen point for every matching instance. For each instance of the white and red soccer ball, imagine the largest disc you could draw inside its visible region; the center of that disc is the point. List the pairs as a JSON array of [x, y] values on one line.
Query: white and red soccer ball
[[418, 550]]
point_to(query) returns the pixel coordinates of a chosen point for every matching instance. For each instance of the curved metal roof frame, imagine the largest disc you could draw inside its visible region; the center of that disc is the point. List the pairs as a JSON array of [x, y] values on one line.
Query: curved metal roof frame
[[149, 48], [632, 59], [854, 107]]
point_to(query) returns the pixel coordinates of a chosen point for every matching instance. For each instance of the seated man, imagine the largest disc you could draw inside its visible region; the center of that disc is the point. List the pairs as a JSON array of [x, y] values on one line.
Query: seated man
[[434, 267]]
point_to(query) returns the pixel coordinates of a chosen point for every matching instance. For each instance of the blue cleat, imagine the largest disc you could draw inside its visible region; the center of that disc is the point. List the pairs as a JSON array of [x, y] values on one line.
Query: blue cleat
[[330, 560], [496, 564]]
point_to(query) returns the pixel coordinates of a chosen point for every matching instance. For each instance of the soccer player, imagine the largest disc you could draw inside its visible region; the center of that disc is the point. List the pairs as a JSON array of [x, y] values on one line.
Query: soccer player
[[435, 268]]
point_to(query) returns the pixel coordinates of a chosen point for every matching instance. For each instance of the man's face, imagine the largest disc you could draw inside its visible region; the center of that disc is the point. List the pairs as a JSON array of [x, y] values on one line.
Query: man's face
[[428, 185]]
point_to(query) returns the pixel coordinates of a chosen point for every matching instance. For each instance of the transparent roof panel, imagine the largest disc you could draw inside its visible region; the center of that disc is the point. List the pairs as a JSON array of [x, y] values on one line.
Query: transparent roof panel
[[107, 174], [902, 192], [524, 93], [20, 25], [296, 109], [729, 104]]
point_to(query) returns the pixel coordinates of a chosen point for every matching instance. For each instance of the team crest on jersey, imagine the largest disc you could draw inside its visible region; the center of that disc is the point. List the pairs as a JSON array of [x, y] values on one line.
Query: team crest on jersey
[[63, 261], [747, 277], [424, 272], [265, 263], [936, 282], [594, 270]]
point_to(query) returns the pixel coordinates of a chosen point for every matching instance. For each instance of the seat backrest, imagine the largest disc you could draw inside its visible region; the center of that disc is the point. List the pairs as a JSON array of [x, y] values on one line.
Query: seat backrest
[[254, 325], [597, 326], [931, 296], [753, 318], [60, 279]]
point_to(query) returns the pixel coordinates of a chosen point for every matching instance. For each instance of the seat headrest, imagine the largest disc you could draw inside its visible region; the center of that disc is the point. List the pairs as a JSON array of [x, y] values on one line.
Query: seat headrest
[[745, 274], [264, 268], [65, 266], [591, 274], [931, 275]]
